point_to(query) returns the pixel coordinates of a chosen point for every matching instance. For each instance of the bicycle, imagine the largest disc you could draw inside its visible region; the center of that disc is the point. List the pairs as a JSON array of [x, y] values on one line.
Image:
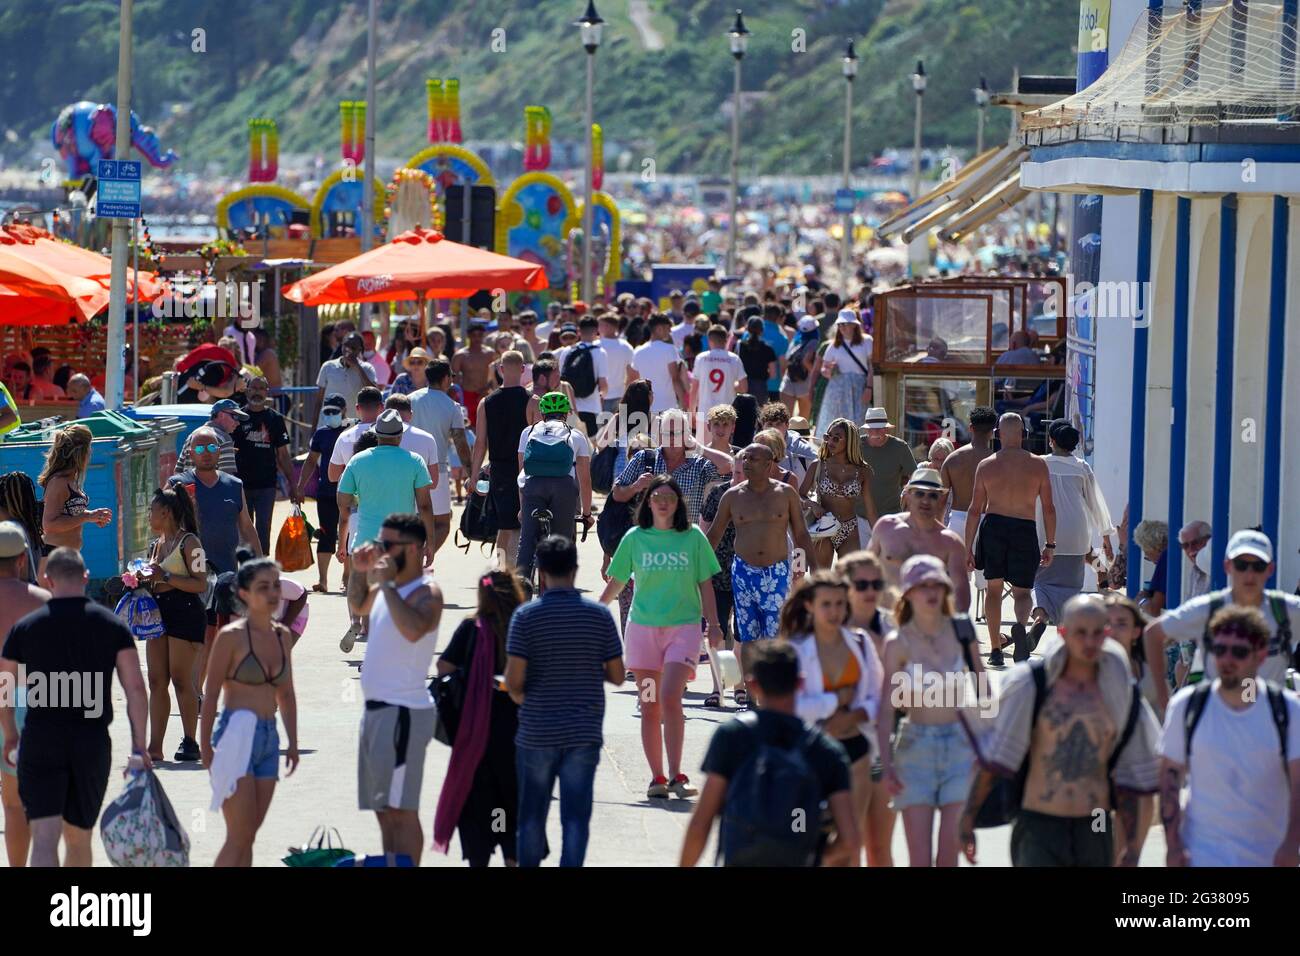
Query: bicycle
[[544, 517]]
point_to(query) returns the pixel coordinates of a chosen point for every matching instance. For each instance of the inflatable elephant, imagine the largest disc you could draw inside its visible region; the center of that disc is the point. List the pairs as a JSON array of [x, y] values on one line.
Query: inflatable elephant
[[85, 133]]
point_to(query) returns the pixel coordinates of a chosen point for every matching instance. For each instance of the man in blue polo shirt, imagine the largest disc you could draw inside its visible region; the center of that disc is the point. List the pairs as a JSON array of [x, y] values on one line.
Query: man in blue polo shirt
[[561, 649], [774, 335]]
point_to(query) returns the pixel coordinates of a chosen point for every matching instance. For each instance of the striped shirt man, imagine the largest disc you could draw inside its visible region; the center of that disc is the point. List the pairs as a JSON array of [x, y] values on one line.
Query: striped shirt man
[[566, 640]]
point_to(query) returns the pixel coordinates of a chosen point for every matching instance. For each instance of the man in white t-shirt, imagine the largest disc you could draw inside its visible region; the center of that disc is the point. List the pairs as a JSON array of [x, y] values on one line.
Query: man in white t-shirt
[[389, 585], [620, 366], [716, 372], [588, 405], [1236, 743], [661, 365], [1249, 564], [554, 475]]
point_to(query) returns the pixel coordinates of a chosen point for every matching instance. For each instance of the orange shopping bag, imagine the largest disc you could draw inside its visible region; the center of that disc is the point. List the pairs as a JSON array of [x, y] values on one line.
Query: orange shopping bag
[[293, 545]]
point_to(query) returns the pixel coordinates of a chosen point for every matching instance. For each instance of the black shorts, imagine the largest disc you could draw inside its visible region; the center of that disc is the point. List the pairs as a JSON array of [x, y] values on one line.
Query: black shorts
[[183, 615], [1007, 550], [327, 514], [504, 489], [63, 772]]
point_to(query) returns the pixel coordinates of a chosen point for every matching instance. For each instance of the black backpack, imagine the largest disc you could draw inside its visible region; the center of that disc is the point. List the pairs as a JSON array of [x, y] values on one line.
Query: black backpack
[[1003, 803], [580, 370], [795, 366], [615, 517], [771, 793], [478, 522], [1201, 696]]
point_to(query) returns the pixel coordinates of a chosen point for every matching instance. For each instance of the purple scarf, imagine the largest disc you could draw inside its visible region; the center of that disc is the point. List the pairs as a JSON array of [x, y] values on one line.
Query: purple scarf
[[471, 738]]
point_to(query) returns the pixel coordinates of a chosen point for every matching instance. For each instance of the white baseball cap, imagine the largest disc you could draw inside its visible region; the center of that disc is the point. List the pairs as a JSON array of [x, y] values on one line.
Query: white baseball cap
[[1254, 543], [808, 324]]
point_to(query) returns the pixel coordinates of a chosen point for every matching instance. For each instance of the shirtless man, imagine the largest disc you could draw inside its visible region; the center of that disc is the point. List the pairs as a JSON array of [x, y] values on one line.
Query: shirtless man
[[546, 378], [469, 368], [1008, 487], [958, 473], [762, 511], [17, 600], [920, 530]]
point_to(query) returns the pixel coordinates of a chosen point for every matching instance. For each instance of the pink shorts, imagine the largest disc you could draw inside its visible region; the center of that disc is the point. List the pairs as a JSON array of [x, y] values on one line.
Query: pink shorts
[[650, 648]]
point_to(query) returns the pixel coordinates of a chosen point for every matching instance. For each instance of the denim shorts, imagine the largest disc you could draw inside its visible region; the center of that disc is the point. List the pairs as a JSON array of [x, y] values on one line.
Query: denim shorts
[[264, 759], [935, 764]]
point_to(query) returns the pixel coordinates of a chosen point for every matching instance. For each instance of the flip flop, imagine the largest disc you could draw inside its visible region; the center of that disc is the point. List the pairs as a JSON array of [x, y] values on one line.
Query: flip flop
[[320, 590], [713, 702]]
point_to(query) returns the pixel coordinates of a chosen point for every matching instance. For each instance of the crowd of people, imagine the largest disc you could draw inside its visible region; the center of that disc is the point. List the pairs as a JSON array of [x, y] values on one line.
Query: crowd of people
[[757, 515]]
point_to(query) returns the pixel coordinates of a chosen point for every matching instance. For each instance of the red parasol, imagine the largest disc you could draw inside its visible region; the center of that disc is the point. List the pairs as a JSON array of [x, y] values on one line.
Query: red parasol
[[32, 294], [36, 245], [417, 264]]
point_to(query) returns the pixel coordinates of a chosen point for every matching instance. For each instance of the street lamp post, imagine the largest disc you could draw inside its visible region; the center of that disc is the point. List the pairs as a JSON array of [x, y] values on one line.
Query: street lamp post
[[368, 165], [590, 26], [850, 64], [982, 103], [738, 38], [919, 250], [115, 372]]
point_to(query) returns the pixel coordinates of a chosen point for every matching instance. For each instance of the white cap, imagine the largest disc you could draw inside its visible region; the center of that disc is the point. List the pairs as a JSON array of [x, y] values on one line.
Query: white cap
[[1254, 543], [808, 324], [848, 317]]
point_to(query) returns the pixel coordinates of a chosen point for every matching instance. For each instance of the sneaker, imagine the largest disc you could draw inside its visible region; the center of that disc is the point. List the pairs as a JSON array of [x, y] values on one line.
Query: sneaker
[[1020, 640], [741, 698], [349, 640], [188, 751], [658, 788], [681, 786], [995, 658], [630, 677]]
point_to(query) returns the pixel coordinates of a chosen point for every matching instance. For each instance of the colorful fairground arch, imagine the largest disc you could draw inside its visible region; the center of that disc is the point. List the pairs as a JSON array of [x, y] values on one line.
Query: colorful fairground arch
[[534, 218], [341, 195], [261, 207], [606, 220]]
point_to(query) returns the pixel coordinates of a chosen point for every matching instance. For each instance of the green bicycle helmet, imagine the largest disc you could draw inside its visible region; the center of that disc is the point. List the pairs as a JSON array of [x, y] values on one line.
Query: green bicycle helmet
[[554, 403]]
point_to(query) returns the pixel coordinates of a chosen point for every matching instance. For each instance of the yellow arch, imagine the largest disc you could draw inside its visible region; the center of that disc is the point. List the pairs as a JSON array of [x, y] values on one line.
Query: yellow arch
[[319, 200], [466, 156], [510, 213], [252, 192], [605, 201]]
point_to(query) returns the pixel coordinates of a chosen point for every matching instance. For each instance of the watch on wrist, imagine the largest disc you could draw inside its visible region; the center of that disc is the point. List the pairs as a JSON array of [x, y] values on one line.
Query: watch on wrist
[[1050, 547]]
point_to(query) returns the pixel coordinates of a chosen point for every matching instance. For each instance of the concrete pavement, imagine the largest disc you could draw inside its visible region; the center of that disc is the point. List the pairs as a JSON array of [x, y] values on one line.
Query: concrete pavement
[[626, 830]]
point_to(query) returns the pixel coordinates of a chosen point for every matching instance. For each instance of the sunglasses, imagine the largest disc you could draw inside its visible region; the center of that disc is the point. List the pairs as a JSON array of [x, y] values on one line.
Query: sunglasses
[[1238, 651], [928, 495], [208, 449], [419, 362], [527, 322], [663, 496], [390, 545], [877, 585], [1246, 564]]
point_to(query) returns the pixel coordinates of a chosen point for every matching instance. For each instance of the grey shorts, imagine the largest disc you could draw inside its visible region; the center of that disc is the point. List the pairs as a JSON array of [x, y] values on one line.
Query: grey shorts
[[797, 389], [390, 758], [935, 764]]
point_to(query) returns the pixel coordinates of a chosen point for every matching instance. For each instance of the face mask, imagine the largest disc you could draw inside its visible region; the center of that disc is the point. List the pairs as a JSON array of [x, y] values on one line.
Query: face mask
[[332, 419]]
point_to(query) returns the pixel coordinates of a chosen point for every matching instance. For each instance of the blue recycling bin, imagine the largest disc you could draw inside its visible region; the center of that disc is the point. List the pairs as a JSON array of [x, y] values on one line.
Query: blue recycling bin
[[177, 422], [122, 475]]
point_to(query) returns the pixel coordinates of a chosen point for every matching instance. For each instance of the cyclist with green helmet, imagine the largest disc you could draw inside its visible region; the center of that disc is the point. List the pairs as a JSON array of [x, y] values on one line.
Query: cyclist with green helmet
[[554, 475]]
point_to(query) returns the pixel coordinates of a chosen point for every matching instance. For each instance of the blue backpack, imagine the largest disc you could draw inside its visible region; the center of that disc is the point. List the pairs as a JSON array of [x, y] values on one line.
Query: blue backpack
[[774, 805], [548, 454]]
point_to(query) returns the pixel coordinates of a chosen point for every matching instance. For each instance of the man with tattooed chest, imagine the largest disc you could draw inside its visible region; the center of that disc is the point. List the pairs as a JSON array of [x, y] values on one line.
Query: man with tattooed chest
[[1073, 721]]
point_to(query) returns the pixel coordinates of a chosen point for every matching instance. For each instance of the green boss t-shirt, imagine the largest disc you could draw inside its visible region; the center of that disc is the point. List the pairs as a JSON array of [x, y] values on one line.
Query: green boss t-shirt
[[668, 567]]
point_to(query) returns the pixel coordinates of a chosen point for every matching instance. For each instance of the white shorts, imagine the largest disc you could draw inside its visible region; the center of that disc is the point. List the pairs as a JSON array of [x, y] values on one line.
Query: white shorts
[[957, 523], [441, 495]]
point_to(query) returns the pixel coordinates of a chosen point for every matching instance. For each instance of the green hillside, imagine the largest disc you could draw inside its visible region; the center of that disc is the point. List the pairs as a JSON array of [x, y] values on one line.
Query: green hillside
[[293, 60]]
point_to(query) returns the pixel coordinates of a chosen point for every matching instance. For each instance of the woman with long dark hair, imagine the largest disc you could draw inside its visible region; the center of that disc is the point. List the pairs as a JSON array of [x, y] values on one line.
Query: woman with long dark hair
[[250, 666], [842, 676], [18, 503], [746, 407], [67, 508], [672, 564], [177, 578], [481, 783]]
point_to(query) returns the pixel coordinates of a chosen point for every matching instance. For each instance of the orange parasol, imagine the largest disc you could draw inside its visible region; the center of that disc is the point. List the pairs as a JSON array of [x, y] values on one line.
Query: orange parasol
[[32, 294], [37, 246], [417, 264]]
